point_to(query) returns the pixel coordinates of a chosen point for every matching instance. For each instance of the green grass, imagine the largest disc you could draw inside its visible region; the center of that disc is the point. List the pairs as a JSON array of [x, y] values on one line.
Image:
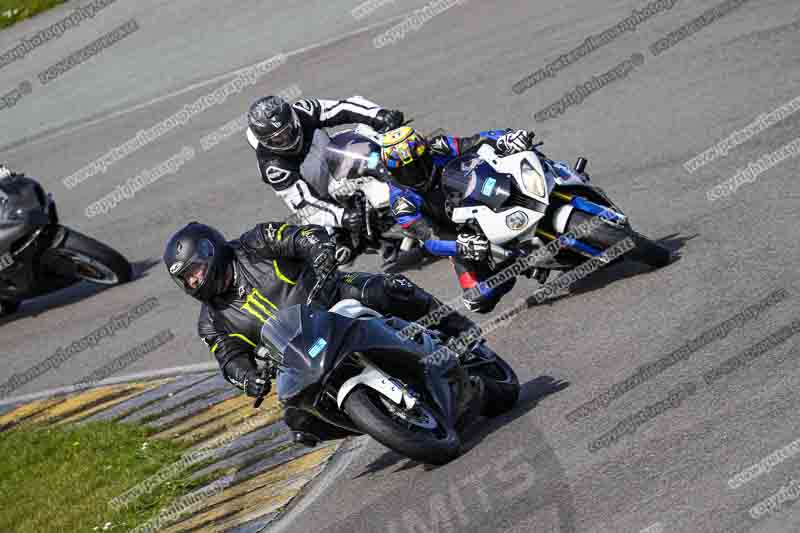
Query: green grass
[[61, 479], [12, 11]]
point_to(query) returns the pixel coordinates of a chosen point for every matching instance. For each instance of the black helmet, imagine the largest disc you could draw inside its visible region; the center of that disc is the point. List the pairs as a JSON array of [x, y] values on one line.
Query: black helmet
[[197, 258], [275, 124]]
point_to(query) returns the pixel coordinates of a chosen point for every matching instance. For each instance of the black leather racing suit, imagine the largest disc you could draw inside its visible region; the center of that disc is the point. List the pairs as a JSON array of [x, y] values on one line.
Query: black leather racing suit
[[272, 270]]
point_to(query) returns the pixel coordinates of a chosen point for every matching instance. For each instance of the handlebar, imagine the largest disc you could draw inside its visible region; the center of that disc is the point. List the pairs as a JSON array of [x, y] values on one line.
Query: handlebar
[[318, 287], [265, 372]]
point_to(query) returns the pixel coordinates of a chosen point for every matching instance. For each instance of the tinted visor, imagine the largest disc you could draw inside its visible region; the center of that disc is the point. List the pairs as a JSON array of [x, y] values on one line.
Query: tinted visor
[[416, 174], [194, 273], [285, 138]]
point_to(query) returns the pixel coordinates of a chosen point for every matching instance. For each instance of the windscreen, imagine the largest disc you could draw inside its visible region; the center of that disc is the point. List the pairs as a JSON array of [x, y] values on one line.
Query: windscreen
[[334, 167], [302, 353], [314, 167], [459, 175], [351, 156]]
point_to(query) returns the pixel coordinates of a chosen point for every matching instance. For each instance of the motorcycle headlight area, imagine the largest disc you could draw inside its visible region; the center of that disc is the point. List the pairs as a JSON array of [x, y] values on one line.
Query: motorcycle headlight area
[[517, 220], [532, 181]]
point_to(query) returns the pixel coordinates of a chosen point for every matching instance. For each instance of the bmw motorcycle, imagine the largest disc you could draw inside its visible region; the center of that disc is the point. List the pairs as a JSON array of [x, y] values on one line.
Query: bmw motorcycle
[[524, 201], [349, 367], [38, 255]]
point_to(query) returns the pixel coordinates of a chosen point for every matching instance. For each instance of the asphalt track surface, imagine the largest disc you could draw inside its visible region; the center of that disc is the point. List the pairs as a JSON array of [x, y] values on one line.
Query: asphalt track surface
[[533, 470]]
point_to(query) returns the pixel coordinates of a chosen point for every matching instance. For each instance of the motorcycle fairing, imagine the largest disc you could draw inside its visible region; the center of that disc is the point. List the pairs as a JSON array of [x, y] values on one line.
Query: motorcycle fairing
[[374, 378], [563, 174], [474, 182], [477, 174], [23, 209], [293, 332], [536, 183]]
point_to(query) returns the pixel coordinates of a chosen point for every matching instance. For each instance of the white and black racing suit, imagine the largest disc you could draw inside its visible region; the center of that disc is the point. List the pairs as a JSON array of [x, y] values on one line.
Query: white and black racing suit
[[308, 200]]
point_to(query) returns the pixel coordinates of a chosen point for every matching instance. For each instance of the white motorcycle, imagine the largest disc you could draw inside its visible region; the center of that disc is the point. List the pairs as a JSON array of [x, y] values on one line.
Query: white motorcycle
[[523, 201]]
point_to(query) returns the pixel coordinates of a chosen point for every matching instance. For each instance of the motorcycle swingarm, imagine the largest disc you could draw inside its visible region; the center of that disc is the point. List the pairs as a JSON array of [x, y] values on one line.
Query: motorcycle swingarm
[[374, 378]]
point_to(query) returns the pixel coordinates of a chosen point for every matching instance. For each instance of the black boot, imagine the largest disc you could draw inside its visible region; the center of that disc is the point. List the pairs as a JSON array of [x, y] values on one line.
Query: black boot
[[444, 317]]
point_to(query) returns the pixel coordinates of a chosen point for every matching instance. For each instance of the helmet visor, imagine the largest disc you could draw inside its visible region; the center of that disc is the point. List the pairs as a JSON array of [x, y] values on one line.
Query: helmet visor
[[285, 138], [416, 174], [192, 275]]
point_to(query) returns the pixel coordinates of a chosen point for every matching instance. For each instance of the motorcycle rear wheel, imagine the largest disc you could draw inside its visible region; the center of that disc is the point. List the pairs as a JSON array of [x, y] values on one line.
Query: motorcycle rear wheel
[[93, 260], [368, 411]]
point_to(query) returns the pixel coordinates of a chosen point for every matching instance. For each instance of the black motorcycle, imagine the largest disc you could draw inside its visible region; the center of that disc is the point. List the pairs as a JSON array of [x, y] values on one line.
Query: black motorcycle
[[38, 255], [349, 367]]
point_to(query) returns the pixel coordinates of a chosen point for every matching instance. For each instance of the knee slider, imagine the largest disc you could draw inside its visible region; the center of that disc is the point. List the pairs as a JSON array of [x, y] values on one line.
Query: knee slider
[[415, 300]]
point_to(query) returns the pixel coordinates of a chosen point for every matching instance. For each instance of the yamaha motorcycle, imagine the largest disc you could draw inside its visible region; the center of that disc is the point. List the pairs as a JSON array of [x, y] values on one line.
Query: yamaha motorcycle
[[38, 255], [349, 367]]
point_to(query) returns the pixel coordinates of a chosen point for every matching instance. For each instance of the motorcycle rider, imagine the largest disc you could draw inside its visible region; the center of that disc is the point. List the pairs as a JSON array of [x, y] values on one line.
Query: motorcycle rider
[[282, 134], [241, 283], [420, 205]]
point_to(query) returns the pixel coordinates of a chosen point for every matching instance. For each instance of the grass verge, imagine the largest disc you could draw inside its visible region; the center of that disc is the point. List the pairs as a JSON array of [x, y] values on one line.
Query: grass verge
[[13, 11], [59, 479]]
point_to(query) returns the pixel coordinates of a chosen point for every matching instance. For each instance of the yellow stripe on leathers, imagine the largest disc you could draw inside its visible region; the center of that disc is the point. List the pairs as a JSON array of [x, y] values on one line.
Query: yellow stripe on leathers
[[255, 307], [280, 274]]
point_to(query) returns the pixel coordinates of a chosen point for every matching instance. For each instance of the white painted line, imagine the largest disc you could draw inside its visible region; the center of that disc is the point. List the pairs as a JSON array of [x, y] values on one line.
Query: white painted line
[[142, 376]]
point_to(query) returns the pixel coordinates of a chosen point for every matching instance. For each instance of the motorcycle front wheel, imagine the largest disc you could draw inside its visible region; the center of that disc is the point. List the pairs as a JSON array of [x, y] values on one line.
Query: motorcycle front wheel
[[94, 261], [502, 386], [418, 433], [606, 235]]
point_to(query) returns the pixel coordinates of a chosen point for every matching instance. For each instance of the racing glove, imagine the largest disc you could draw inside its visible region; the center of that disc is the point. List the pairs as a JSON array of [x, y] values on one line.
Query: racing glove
[[324, 261], [255, 386], [472, 247], [514, 142], [388, 119], [4, 171]]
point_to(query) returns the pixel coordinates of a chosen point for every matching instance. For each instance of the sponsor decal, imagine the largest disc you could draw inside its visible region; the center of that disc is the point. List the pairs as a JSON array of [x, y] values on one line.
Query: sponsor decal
[[317, 347], [276, 174], [488, 186]]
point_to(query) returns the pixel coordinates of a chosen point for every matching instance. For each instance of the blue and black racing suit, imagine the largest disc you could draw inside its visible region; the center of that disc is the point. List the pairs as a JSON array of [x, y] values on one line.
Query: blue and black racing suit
[[423, 215]]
